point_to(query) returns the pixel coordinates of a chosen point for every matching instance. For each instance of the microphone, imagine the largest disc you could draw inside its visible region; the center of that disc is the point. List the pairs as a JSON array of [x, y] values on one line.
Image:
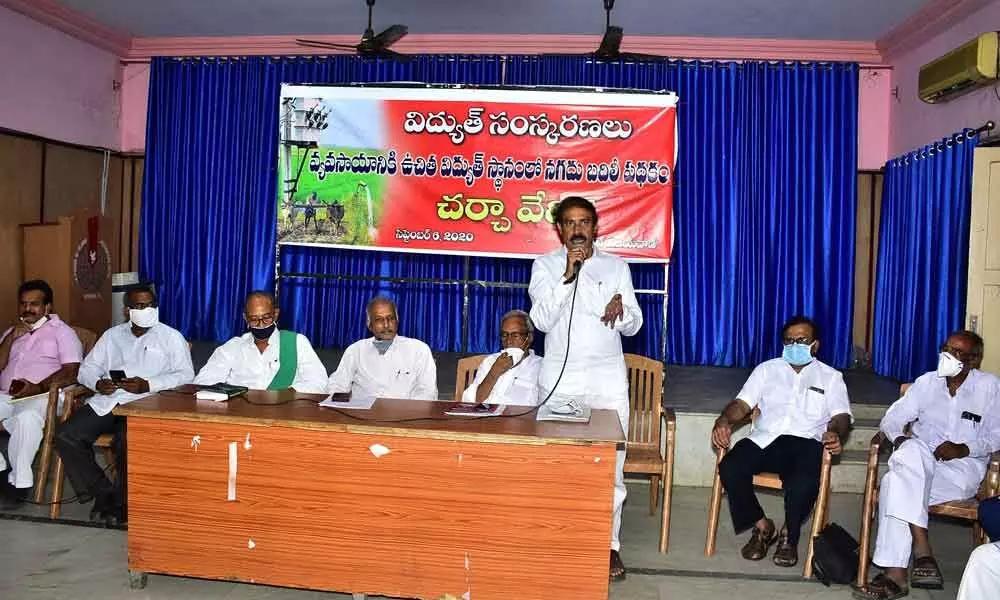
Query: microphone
[[577, 264]]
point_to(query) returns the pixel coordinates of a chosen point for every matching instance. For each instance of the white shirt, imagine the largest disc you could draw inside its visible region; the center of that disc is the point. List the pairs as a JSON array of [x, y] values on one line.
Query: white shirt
[[938, 415], [518, 386], [596, 365], [160, 356], [239, 362], [799, 404], [405, 371]]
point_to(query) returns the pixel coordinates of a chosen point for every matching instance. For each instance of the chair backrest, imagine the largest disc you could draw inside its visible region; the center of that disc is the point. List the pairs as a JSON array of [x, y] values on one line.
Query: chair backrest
[[87, 337], [466, 373], [645, 396]]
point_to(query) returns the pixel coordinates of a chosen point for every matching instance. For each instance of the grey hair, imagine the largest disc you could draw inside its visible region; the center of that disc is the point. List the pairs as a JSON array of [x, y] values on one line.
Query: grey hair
[[379, 300], [520, 313]]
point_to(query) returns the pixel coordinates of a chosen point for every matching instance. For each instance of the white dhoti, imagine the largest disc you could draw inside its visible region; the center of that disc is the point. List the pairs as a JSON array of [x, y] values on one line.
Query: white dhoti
[[915, 481], [25, 421], [981, 580], [620, 490]]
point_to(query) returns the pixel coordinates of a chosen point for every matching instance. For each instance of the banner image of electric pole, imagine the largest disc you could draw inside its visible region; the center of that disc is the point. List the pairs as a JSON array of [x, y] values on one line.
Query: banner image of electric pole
[[316, 202]]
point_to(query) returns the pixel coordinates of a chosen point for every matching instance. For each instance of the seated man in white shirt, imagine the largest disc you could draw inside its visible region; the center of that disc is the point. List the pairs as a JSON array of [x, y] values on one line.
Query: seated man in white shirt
[[153, 357], [803, 409], [955, 416], [511, 375], [386, 365], [265, 358]]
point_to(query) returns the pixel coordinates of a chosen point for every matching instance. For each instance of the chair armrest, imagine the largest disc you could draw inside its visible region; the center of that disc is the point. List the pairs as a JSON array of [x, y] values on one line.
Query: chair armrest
[[72, 395], [668, 414]]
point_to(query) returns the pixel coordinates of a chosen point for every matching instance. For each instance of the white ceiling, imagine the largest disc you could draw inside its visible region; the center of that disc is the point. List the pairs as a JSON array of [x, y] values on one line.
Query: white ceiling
[[861, 20]]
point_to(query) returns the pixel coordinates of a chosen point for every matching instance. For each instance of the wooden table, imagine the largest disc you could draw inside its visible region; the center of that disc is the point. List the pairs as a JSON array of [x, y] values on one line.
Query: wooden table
[[273, 489]]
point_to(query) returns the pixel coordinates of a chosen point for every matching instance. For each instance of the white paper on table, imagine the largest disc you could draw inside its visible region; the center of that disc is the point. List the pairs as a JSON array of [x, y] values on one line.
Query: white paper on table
[[357, 403]]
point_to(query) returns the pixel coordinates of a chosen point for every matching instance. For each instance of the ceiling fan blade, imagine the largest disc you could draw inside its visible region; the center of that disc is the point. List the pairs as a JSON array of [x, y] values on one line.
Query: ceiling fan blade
[[388, 54], [390, 36], [325, 45], [611, 41], [641, 57]]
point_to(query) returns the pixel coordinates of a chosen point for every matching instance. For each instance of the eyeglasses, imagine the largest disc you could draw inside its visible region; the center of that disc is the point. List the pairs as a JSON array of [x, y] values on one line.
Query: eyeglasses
[[258, 320], [958, 353], [140, 305], [798, 340], [513, 335]]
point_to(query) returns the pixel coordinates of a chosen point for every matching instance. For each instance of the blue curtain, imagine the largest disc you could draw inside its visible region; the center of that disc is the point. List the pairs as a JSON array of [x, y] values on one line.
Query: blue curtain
[[764, 205], [208, 228], [923, 255]]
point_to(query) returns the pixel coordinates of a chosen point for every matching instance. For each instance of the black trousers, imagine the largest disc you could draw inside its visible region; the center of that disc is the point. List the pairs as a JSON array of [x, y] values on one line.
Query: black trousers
[[75, 444], [796, 460]]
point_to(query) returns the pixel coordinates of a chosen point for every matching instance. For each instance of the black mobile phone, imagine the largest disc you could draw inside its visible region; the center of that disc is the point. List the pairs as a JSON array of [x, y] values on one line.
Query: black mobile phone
[[341, 397], [117, 375]]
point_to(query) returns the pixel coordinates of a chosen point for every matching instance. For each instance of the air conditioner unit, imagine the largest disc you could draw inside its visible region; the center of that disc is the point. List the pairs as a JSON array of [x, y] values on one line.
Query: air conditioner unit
[[963, 69]]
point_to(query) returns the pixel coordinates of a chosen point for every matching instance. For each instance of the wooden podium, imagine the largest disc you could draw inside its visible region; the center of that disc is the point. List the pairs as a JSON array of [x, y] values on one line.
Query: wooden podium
[[72, 255]]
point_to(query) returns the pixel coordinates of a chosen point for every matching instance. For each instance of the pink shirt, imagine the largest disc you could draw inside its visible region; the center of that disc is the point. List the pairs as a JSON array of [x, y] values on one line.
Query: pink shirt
[[36, 355]]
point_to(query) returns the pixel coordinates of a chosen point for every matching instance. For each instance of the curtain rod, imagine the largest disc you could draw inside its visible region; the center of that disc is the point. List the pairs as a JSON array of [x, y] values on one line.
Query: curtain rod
[[940, 145]]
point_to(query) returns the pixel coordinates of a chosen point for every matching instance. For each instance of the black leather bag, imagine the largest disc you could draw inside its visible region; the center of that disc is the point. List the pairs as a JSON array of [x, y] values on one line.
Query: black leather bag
[[835, 556]]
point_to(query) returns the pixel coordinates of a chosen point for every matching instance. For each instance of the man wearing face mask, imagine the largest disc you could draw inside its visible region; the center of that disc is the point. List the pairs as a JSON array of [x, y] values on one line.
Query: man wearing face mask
[[265, 358], [955, 416], [386, 365], [37, 353], [153, 357], [605, 309], [511, 375], [803, 408]]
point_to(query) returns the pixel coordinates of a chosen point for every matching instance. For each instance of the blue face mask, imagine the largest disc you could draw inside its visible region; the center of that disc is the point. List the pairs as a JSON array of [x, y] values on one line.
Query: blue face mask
[[797, 355]]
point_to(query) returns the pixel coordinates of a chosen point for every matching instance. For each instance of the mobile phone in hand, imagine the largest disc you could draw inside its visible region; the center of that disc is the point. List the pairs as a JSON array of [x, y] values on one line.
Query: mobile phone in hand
[[117, 375]]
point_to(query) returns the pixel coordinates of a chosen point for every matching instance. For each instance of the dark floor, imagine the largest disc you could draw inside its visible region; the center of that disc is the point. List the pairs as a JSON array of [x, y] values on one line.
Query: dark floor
[[687, 388]]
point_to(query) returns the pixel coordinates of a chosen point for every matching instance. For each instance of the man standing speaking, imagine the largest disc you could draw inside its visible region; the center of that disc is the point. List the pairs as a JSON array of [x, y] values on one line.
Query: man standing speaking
[[604, 310]]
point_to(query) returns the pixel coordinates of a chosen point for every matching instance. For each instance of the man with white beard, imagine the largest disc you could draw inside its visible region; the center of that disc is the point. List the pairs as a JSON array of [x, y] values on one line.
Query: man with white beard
[[605, 309]]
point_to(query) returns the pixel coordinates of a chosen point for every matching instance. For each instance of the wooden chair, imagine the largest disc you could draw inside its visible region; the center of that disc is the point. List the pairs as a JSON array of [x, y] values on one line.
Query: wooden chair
[[967, 510], [646, 411], [773, 482], [87, 340], [72, 399], [466, 373]]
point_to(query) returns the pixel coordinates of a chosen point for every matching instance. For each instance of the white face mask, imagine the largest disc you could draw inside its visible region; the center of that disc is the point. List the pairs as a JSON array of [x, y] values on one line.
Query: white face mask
[[516, 354], [36, 324], [144, 317], [948, 365]]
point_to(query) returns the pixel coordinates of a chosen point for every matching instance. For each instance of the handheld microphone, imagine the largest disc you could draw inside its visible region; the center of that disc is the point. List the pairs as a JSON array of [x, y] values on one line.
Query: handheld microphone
[[577, 264]]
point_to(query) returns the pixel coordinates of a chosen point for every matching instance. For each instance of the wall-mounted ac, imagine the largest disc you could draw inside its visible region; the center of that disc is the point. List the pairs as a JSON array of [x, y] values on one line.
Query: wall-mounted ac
[[966, 68]]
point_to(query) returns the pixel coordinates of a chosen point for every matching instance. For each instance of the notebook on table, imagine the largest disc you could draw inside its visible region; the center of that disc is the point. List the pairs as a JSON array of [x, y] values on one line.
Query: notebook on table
[[220, 392]]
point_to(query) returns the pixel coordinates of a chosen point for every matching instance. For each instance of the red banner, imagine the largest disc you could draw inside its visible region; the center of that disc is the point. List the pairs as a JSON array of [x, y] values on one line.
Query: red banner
[[475, 171]]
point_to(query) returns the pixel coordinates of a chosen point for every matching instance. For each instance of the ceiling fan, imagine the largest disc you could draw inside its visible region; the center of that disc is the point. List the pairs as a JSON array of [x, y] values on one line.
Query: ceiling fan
[[370, 44], [612, 41]]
